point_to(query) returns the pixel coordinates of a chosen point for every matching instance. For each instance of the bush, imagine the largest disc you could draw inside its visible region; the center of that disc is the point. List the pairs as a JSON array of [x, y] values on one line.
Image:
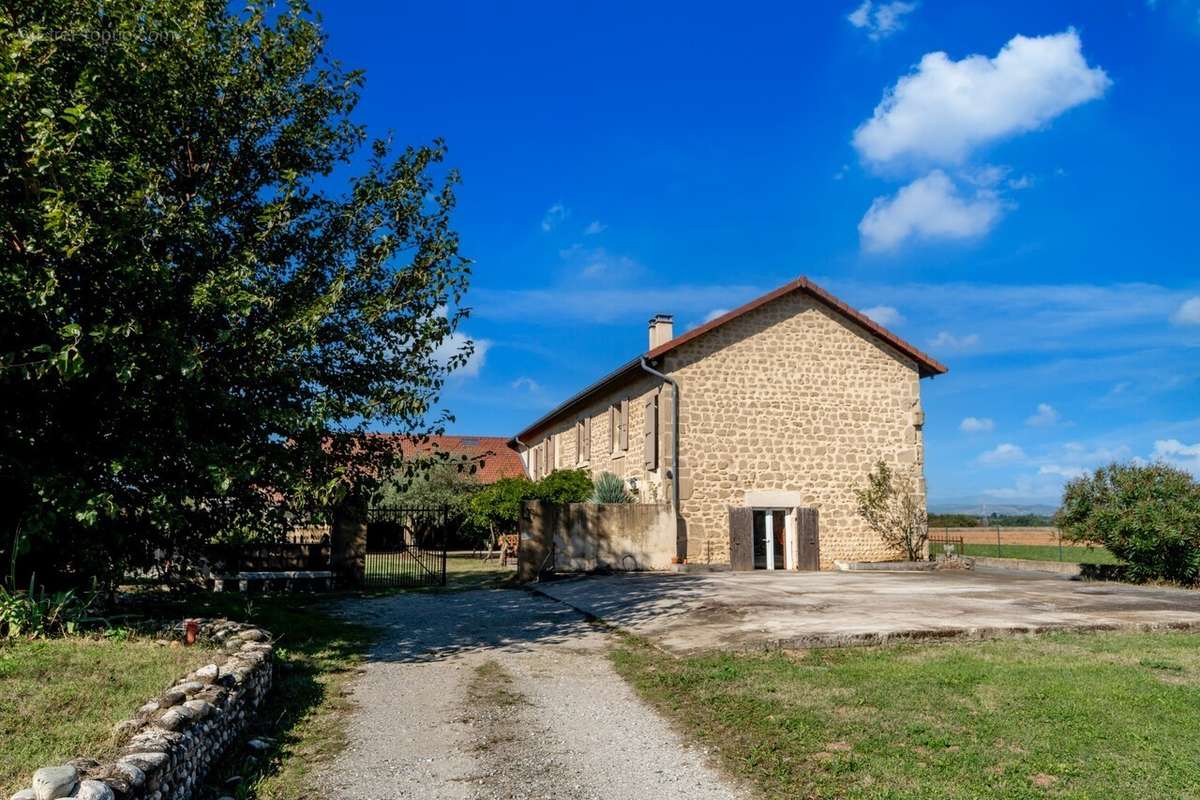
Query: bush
[[1147, 516], [564, 486], [610, 489]]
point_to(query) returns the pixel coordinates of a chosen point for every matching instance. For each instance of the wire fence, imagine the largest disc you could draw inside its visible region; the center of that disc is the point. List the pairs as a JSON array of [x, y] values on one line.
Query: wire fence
[[1032, 544]]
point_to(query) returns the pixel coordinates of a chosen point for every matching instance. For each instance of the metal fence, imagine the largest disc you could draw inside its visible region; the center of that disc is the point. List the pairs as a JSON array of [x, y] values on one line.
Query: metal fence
[[407, 546], [1030, 544]]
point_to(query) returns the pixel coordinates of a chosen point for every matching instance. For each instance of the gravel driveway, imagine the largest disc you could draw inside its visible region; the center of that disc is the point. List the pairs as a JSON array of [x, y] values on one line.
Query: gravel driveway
[[503, 694]]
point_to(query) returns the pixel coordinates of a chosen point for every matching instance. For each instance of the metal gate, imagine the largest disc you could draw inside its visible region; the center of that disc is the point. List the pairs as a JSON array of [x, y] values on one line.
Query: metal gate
[[407, 546]]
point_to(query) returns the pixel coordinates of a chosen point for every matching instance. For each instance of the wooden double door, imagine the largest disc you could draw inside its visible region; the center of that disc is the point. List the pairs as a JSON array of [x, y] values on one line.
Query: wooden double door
[[759, 539]]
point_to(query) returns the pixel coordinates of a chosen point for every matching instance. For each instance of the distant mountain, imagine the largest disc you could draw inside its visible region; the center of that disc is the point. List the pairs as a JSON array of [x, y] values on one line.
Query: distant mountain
[[979, 506]]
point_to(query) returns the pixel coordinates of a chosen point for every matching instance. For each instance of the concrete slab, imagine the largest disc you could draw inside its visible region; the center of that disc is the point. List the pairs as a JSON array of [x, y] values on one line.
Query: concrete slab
[[756, 610]]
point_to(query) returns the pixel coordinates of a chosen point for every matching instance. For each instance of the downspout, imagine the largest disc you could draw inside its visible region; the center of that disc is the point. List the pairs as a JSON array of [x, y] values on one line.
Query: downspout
[[674, 432], [517, 439]]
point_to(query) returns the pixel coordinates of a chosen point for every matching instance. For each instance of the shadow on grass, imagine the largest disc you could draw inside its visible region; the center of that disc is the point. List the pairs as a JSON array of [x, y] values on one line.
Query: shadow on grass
[[316, 657]]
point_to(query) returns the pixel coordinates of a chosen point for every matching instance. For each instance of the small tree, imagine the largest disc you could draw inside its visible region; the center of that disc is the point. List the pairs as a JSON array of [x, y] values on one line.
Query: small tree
[[497, 507], [610, 489], [890, 505], [1147, 516]]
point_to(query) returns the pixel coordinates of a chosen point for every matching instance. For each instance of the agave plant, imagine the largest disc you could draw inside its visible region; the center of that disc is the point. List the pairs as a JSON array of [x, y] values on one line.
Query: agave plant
[[608, 488]]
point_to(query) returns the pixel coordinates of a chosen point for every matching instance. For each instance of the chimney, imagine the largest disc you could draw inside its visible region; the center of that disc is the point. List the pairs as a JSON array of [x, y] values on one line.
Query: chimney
[[662, 329]]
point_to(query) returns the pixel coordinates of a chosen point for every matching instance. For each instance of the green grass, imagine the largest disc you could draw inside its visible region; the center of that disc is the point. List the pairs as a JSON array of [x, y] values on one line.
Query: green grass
[[60, 698], [1109, 716], [1037, 552]]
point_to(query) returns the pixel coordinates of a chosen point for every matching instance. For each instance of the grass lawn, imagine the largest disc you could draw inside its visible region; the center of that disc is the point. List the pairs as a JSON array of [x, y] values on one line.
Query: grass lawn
[[60, 697], [1107, 716], [462, 572], [1037, 552]]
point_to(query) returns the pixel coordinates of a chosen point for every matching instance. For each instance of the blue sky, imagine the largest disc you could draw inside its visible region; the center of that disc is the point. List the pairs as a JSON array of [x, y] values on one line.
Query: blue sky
[[1010, 186]]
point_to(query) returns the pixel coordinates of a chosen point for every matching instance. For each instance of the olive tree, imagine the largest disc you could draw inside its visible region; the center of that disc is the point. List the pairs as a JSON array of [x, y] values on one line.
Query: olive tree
[[893, 509]]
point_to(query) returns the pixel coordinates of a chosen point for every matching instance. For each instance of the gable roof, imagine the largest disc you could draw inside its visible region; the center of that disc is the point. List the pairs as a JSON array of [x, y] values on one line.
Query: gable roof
[[927, 366]]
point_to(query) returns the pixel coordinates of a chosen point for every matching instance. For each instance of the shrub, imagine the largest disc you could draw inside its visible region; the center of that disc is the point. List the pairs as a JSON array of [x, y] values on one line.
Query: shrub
[[610, 489], [564, 486], [36, 614], [1147, 516], [890, 505]]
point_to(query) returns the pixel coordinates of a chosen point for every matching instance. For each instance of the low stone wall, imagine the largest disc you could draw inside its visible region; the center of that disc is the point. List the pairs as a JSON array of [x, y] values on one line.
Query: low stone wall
[[589, 536], [175, 738]]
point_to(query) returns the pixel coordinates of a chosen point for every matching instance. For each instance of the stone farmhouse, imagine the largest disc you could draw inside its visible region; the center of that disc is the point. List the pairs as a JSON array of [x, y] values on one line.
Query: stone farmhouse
[[755, 428]]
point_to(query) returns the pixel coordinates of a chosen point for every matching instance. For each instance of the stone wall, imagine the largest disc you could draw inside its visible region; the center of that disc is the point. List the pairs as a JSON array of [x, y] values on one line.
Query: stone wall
[[175, 738], [589, 536], [791, 404]]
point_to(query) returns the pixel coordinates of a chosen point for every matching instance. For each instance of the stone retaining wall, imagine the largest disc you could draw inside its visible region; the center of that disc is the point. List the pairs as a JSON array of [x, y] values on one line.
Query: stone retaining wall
[[175, 738]]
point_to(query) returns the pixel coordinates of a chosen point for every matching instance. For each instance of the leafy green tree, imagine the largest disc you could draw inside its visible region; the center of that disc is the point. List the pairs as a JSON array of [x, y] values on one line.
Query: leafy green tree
[[1147, 516], [436, 483], [497, 507], [191, 303], [891, 507]]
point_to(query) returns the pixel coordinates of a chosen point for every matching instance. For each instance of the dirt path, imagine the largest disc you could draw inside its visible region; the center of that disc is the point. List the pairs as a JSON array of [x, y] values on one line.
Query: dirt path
[[503, 694]]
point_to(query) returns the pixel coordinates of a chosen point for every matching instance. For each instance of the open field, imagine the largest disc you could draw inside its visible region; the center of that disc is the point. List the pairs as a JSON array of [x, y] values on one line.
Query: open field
[[60, 697], [1064, 716], [1068, 553]]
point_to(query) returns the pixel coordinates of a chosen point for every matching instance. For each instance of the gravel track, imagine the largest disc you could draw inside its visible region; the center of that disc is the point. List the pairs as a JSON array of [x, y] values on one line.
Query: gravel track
[[486, 695]]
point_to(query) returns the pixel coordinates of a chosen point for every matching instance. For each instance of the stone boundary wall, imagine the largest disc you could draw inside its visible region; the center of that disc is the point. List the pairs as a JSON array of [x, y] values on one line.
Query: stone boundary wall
[[175, 738], [588, 536]]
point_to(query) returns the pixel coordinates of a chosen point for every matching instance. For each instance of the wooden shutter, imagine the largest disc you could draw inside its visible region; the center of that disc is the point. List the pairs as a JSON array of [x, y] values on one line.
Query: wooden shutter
[[741, 538], [613, 423], [578, 441], [808, 540], [550, 465], [536, 459], [624, 426], [587, 438], [651, 434]]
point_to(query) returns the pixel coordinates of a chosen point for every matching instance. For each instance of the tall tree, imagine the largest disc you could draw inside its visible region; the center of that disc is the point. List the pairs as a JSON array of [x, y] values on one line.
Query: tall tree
[[191, 301]]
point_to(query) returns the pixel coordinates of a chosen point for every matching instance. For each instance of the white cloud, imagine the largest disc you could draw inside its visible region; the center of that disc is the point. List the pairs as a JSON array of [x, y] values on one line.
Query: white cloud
[[1178, 454], [554, 215], [880, 21], [1061, 471], [454, 344], [528, 384], [930, 208], [716, 312], [1046, 416], [977, 425], [884, 315], [945, 340], [596, 262], [1002, 454], [1188, 312], [945, 109], [594, 227]]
